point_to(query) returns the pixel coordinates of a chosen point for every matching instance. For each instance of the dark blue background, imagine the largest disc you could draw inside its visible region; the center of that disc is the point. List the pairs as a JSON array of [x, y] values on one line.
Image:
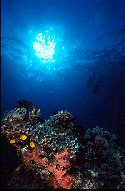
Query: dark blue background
[[94, 41]]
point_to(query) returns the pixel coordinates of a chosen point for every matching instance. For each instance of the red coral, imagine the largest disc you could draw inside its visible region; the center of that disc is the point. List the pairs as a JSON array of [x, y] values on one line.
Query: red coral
[[35, 156], [67, 182], [59, 178], [53, 181], [63, 158]]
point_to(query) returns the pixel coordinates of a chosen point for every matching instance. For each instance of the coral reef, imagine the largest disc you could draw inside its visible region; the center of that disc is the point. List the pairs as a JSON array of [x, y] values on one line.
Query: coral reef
[[104, 161], [44, 147], [60, 153]]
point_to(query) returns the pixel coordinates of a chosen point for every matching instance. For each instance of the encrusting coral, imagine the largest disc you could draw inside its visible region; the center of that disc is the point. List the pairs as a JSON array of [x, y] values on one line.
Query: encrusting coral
[[60, 153]]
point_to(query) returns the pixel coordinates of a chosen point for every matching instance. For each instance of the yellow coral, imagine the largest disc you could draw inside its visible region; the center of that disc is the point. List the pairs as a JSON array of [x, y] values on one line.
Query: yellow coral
[[12, 141], [32, 144], [23, 137]]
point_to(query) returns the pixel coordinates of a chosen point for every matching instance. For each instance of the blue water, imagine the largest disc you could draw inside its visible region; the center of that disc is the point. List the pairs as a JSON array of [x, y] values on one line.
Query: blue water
[[90, 42]]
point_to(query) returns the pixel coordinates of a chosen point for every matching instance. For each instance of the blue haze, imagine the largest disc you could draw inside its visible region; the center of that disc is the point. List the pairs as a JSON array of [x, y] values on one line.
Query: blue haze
[[92, 33]]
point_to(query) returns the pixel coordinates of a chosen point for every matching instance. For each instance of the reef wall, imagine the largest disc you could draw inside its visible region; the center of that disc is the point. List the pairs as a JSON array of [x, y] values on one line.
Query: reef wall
[[60, 153]]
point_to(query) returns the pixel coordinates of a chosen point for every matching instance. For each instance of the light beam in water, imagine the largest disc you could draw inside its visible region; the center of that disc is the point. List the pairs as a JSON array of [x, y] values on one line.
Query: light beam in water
[[45, 47]]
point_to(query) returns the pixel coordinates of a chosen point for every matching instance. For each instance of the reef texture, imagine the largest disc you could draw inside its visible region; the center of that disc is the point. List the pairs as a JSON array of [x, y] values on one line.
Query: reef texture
[[60, 154]]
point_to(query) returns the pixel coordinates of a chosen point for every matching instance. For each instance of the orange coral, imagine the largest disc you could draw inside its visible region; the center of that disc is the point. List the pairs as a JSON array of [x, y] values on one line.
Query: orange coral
[[34, 155], [63, 159], [53, 182], [67, 182], [59, 178]]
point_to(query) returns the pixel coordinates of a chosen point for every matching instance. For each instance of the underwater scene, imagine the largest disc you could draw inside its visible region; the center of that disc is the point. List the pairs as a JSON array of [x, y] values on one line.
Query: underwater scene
[[62, 94]]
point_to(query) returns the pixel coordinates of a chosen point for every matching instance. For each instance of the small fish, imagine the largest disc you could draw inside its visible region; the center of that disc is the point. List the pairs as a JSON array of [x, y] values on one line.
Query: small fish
[[32, 144], [23, 137], [12, 141]]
